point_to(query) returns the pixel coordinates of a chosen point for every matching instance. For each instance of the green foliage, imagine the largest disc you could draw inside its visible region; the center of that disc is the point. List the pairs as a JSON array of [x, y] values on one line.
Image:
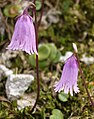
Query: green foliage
[[44, 52], [63, 97], [76, 20], [48, 53], [56, 114], [76, 24], [66, 5], [12, 10], [38, 5]]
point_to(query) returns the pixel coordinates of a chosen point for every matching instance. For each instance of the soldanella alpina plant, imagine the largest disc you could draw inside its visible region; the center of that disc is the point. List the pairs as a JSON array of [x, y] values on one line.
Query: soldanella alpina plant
[[25, 38], [68, 80]]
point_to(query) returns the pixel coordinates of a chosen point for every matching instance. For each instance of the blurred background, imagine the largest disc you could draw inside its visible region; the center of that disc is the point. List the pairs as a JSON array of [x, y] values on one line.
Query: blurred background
[[63, 22]]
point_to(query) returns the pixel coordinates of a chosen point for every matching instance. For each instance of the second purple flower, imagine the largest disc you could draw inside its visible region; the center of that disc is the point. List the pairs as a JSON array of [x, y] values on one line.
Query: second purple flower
[[68, 81]]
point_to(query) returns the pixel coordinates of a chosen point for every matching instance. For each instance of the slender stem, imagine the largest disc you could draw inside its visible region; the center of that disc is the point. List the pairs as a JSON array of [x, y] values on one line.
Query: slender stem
[[38, 81], [37, 24], [41, 14], [83, 78]]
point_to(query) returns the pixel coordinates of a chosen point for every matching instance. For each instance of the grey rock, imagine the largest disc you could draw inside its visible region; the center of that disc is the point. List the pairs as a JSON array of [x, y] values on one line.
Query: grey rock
[[25, 100], [4, 71], [87, 60], [66, 56], [17, 84]]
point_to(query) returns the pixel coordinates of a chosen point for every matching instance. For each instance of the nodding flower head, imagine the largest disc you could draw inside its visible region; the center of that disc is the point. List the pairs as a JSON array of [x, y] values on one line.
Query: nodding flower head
[[68, 81], [24, 35]]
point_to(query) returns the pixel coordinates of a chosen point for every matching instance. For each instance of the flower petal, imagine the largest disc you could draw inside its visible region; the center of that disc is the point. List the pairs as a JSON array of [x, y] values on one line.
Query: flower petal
[[24, 35], [68, 80]]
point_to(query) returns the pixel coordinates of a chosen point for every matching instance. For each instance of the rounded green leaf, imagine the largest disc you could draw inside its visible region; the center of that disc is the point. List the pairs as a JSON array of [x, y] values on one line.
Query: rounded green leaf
[[12, 10], [58, 55], [56, 114], [47, 53], [63, 97], [53, 117], [53, 51], [32, 61], [43, 64], [43, 52], [38, 5]]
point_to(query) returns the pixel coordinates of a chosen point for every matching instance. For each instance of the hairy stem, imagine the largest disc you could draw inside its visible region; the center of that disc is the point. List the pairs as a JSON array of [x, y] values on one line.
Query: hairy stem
[[83, 78]]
